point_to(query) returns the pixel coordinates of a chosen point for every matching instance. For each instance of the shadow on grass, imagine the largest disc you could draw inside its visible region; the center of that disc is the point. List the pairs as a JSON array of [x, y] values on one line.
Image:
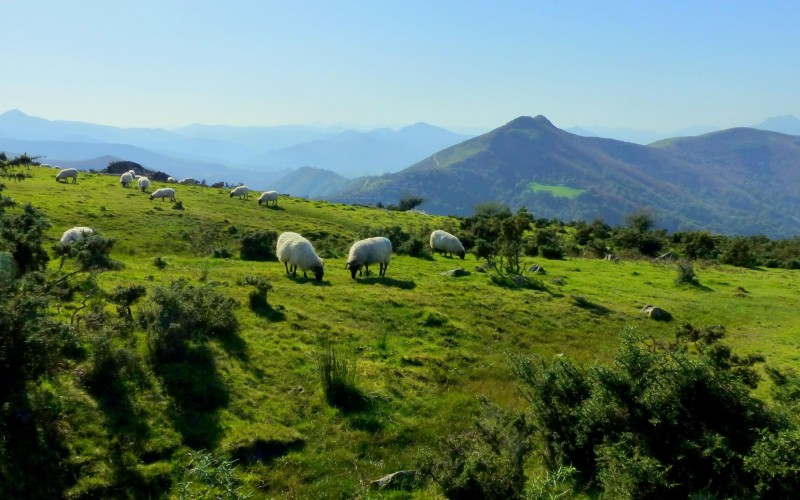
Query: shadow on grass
[[275, 207], [302, 279], [266, 311], [198, 393], [592, 307], [377, 280], [266, 450]]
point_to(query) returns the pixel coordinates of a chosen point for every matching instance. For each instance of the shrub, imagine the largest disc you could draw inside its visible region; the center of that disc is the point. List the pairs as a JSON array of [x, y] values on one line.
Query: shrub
[[485, 461], [686, 275], [666, 419], [221, 253], [258, 297], [160, 262], [258, 245], [337, 373]]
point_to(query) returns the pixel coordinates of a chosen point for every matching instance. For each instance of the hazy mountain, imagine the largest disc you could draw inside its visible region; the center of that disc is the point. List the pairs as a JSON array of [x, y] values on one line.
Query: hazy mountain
[[787, 124], [689, 183], [353, 153], [310, 182]]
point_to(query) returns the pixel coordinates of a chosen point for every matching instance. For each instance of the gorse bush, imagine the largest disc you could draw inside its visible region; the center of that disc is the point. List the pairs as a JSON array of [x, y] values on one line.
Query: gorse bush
[[686, 275], [258, 245], [665, 419], [258, 297], [487, 461]]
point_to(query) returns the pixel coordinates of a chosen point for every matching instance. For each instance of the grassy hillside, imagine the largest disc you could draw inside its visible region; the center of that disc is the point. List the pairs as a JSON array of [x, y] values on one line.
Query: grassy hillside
[[425, 345]]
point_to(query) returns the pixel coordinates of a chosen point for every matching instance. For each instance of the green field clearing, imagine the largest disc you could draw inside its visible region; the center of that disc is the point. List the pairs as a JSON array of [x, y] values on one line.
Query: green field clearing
[[557, 191], [426, 345]]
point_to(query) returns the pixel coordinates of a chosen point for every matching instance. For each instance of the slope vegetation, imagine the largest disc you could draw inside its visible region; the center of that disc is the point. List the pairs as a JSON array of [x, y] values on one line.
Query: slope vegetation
[[425, 345]]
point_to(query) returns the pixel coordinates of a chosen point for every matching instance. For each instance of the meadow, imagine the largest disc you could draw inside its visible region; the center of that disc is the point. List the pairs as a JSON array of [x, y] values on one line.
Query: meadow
[[425, 345]]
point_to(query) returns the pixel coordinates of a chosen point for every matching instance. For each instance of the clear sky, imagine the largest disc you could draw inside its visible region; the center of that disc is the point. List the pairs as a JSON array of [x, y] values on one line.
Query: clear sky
[[460, 64]]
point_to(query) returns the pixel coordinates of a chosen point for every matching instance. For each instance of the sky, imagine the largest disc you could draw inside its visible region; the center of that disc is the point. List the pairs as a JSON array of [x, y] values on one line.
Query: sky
[[463, 65]]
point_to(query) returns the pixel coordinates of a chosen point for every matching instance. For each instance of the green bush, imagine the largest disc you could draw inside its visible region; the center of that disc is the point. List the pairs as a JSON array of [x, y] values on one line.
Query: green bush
[[665, 419], [258, 245], [487, 461], [258, 297], [160, 262], [686, 275]]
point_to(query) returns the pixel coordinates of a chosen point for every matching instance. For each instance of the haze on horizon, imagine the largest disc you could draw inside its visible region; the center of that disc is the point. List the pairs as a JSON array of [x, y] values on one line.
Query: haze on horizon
[[647, 65]]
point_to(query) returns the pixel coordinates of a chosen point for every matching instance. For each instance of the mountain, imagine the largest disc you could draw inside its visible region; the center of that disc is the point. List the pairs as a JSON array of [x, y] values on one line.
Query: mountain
[[787, 124], [741, 181], [310, 182], [352, 153]]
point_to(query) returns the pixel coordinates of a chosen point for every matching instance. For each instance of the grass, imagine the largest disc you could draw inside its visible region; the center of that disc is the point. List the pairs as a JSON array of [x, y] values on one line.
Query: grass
[[425, 346], [557, 191]]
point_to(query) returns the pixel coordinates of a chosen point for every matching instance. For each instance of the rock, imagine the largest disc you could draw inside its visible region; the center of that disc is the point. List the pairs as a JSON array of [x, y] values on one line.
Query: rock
[[668, 257], [482, 268], [455, 272], [612, 257], [656, 313], [536, 269], [403, 479]]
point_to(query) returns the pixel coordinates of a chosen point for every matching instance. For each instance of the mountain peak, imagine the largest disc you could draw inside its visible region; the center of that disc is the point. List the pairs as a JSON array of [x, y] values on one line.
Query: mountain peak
[[526, 122]]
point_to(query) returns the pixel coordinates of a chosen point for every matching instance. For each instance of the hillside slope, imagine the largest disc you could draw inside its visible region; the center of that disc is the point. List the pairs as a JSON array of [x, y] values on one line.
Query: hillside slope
[[426, 345], [608, 179]]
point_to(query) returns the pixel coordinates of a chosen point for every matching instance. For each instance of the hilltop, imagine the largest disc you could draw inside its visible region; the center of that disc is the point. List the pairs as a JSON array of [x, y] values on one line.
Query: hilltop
[[738, 181], [426, 345]]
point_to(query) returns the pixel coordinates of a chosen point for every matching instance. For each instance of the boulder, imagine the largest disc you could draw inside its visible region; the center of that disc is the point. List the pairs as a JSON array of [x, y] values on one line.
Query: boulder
[[656, 313]]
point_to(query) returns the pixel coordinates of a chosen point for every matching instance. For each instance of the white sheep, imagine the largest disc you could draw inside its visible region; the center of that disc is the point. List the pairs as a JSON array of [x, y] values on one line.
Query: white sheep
[[170, 179], [295, 251], [75, 234], [444, 243], [240, 191], [133, 174], [66, 174], [268, 196], [369, 251], [163, 193], [125, 179], [188, 181], [144, 183]]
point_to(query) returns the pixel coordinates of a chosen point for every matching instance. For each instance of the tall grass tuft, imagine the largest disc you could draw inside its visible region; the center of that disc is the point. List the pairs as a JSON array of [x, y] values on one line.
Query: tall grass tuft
[[337, 372]]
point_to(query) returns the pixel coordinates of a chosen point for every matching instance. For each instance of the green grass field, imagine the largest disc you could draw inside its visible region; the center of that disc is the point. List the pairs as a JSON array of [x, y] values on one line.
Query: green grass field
[[426, 345], [557, 191]]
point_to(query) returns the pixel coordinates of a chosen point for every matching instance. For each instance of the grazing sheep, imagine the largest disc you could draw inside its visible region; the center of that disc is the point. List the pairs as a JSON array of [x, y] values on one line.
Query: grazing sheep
[[295, 251], [240, 191], [163, 193], [369, 251], [188, 181], [444, 243], [268, 196], [56, 167], [144, 183], [66, 174], [170, 179], [125, 179], [75, 234]]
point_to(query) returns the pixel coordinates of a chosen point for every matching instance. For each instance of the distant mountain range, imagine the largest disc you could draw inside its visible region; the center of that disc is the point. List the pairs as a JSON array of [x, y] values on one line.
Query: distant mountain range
[[255, 155], [739, 181]]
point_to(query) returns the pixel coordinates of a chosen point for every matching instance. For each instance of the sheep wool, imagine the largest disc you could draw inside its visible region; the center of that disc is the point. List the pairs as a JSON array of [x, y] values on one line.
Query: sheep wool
[[188, 181], [75, 234], [125, 179], [170, 179], [268, 196], [444, 243], [295, 251], [66, 174], [369, 251], [240, 191], [163, 193], [144, 183]]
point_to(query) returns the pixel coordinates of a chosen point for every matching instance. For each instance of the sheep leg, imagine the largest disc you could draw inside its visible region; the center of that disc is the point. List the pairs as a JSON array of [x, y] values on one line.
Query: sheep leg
[[286, 265]]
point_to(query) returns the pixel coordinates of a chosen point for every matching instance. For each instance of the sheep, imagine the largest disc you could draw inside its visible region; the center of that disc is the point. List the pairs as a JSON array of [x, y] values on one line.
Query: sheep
[[144, 183], [369, 251], [444, 243], [163, 193], [268, 196], [240, 191], [133, 174], [66, 174], [170, 179], [76, 233], [189, 181], [295, 251], [125, 179]]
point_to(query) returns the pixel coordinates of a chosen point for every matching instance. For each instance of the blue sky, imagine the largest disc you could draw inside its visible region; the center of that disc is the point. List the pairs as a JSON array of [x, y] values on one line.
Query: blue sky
[[648, 65]]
